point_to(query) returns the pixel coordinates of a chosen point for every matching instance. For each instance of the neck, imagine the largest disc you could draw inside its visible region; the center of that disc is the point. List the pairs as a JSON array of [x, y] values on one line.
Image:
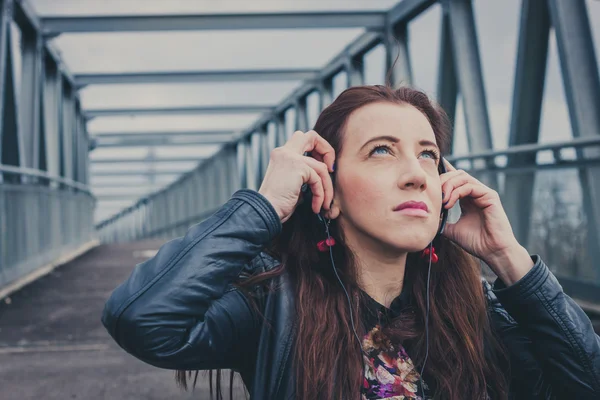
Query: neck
[[380, 271]]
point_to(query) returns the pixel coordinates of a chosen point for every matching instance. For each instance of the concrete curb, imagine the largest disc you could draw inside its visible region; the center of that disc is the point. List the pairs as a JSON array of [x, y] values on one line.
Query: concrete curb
[[46, 269]]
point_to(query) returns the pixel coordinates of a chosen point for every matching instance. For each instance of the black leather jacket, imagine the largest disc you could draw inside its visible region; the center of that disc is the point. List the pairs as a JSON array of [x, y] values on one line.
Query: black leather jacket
[[179, 310]]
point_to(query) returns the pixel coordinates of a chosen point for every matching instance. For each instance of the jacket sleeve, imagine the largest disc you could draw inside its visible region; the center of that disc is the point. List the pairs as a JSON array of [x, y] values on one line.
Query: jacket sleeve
[[553, 348], [178, 310]]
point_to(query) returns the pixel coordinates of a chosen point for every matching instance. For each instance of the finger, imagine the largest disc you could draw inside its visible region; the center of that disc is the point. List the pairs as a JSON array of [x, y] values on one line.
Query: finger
[[318, 157], [296, 141], [477, 192], [449, 175], [449, 167], [320, 147], [452, 180], [312, 142], [321, 169], [316, 187], [450, 232]]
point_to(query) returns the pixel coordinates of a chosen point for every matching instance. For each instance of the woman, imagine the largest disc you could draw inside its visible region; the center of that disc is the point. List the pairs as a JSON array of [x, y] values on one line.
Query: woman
[[255, 289]]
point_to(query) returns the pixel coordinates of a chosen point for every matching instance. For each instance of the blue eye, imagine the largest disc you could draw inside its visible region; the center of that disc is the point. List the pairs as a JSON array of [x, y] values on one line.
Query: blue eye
[[381, 149], [432, 153]]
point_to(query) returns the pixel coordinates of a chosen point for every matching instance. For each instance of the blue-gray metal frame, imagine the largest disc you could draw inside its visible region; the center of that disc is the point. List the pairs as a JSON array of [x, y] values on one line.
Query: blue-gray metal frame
[[447, 85], [196, 76], [162, 134], [149, 160], [241, 164], [46, 209], [30, 106], [11, 142], [325, 89], [530, 75], [276, 20], [469, 75], [142, 140], [180, 110], [40, 223], [127, 172], [579, 70], [397, 55]]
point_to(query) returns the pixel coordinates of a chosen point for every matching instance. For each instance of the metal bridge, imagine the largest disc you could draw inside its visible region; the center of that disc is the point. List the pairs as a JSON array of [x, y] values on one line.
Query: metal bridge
[[90, 185]]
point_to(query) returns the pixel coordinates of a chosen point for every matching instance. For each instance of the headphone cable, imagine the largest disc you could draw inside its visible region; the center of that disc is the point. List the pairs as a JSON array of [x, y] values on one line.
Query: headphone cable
[[362, 352], [426, 324], [352, 318]]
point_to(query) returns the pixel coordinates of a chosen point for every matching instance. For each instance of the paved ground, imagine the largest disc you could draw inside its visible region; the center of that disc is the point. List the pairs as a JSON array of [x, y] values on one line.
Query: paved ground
[[53, 346]]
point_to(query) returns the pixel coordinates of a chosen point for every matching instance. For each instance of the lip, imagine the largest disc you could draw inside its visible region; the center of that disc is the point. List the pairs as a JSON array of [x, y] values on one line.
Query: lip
[[416, 208]]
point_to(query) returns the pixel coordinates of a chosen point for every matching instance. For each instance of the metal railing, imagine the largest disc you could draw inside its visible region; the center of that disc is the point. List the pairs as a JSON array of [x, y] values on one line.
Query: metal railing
[[42, 218], [171, 211]]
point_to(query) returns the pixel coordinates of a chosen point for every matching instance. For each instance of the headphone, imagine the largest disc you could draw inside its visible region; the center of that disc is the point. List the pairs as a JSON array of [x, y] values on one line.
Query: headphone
[[307, 198]]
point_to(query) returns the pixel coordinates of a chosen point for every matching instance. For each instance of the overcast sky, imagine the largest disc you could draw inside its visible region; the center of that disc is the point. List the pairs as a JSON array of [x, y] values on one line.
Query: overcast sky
[[496, 23]]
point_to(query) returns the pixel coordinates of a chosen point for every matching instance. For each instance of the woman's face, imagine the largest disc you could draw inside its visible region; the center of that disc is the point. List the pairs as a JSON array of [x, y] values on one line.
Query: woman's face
[[388, 189]]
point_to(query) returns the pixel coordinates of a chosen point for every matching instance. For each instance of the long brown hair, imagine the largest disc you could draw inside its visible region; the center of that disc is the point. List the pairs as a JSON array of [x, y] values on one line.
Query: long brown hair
[[465, 359]]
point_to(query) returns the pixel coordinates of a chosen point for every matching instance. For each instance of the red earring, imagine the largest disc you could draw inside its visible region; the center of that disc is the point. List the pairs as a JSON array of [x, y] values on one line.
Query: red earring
[[323, 245], [434, 257]]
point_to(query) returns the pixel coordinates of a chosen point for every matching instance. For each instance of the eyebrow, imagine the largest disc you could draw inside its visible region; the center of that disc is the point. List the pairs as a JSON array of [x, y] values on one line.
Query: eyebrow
[[394, 139]]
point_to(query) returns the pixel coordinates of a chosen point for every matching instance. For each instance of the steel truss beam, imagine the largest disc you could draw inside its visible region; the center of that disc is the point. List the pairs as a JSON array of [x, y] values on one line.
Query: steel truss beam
[[52, 100], [31, 92], [67, 132], [528, 91], [156, 160], [470, 77], [447, 84], [579, 70], [24, 15], [165, 141], [11, 142], [397, 55], [185, 138], [137, 185], [402, 13], [158, 183], [183, 22], [196, 76], [407, 10], [194, 110], [116, 197], [160, 134], [531, 150], [41, 119], [143, 173]]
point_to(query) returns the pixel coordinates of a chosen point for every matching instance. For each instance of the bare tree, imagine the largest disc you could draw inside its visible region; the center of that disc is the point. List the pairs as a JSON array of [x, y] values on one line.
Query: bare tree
[[559, 227]]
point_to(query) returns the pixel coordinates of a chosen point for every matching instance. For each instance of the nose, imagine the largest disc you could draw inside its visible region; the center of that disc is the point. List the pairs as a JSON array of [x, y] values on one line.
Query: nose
[[412, 175]]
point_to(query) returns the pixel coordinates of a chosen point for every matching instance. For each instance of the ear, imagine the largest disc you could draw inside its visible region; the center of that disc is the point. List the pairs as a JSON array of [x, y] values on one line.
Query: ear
[[334, 211]]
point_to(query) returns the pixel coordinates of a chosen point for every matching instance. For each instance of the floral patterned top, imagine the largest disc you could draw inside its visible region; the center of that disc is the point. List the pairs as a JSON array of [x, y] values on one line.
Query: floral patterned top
[[389, 371]]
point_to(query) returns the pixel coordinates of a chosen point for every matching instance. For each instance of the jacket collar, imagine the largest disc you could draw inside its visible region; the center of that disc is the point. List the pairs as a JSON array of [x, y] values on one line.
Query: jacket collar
[[374, 312]]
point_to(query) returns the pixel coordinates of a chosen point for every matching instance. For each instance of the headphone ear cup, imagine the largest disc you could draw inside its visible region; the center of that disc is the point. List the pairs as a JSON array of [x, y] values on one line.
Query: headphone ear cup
[[306, 194], [444, 213], [442, 166], [443, 223]]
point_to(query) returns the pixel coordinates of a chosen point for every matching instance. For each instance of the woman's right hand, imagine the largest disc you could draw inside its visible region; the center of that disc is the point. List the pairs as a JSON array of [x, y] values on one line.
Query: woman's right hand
[[289, 169]]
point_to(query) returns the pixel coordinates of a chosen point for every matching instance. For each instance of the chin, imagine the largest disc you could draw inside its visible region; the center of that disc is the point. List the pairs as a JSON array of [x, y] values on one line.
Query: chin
[[411, 240]]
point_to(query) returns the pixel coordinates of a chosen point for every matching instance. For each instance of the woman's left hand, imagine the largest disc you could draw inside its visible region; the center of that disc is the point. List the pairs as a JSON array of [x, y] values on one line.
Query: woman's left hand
[[483, 228]]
